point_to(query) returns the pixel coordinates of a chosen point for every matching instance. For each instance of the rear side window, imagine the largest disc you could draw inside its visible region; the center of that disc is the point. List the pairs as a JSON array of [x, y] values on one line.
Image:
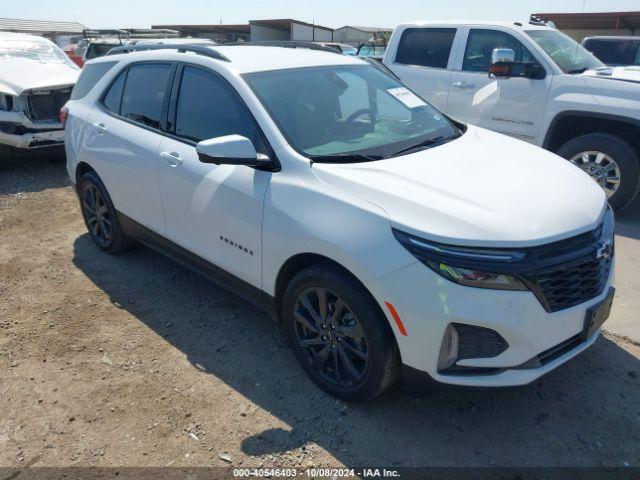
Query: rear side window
[[480, 46], [426, 47], [144, 92], [91, 74], [207, 108], [114, 94]]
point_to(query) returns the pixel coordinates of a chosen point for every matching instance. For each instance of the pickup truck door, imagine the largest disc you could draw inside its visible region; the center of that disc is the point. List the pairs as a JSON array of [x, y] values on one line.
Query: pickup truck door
[[212, 211], [422, 59], [513, 106]]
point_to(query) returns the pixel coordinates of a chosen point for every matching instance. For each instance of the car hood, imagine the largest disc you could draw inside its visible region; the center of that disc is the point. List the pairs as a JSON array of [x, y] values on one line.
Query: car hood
[[627, 74], [18, 75], [482, 189]]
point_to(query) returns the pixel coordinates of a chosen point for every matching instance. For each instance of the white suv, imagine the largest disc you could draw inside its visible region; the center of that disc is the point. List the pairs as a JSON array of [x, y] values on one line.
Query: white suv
[[387, 238], [531, 82]]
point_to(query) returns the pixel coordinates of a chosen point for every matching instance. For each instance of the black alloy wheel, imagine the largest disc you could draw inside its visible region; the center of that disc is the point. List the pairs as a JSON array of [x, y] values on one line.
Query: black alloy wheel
[[332, 337]]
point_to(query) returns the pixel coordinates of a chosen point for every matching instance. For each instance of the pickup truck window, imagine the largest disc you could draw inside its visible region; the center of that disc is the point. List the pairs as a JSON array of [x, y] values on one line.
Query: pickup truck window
[[480, 46], [568, 54], [426, 47]]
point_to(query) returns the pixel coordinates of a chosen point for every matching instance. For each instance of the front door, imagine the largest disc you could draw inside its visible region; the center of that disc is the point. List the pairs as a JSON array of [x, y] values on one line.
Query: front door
[[513, 106], [213, 211]]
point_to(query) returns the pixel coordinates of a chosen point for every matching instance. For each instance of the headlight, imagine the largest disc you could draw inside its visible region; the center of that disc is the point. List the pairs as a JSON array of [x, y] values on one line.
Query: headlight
[[474, 267]]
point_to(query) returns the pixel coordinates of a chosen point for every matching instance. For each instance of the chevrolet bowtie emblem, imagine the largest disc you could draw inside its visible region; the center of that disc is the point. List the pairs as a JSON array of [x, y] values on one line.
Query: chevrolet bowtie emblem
[[604, 251]]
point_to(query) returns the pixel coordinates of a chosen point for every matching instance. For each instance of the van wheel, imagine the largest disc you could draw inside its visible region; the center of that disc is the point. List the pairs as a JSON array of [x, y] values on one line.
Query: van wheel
[[610, 161], [100, 215], [339, 334]]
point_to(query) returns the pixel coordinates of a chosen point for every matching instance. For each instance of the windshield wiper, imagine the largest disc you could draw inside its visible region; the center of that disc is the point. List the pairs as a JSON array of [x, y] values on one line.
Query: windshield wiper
[[577, 70], [345, 158], [425, 143]]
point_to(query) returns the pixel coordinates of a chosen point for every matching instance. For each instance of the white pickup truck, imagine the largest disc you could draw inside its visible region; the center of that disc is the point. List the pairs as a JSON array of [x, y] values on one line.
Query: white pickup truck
[[531, 82]]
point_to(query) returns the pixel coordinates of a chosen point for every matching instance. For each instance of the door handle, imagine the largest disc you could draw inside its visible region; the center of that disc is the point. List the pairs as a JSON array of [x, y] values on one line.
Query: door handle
[[173, 158], [101, 128], [464, 85]]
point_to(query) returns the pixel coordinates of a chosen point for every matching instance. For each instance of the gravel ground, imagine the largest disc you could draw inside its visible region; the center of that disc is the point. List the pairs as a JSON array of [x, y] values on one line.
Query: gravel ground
[[131, 360]]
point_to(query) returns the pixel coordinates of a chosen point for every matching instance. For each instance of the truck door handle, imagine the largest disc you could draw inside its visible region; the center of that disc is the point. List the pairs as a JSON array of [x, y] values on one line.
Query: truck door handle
[[464, 85], [173, 158], [101, 128]]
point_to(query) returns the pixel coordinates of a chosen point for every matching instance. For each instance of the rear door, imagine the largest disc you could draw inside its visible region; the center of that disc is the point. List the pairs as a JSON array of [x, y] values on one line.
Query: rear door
[[514, 106], [422, 58], [127, 126]]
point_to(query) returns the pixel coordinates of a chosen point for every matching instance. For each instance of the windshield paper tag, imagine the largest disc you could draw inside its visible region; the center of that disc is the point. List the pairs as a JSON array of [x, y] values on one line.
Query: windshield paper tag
[[407, 98]]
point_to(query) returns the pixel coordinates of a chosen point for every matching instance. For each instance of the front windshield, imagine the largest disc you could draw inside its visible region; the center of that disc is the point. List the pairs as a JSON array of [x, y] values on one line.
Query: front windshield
[[347, 110], [39, 50], [568, 54], [348, 50]]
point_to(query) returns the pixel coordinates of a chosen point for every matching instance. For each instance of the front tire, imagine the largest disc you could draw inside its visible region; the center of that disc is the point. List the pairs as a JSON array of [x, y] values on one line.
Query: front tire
[[610, 161], [339, 334], [100, 215]]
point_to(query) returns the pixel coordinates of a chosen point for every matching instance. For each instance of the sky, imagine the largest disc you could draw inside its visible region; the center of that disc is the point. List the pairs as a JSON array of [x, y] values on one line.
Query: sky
[[330, 13]]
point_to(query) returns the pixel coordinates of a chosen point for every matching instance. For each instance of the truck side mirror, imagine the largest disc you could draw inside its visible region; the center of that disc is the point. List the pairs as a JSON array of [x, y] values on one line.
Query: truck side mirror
[[502, 61]]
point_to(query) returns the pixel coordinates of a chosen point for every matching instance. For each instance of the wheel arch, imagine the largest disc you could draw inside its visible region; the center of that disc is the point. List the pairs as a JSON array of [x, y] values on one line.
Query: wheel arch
[[82, 168], [571, 124], [295, 264]]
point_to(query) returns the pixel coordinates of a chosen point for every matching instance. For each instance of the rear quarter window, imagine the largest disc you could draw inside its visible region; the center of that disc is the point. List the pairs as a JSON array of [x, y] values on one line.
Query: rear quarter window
[[426, 47], [91, 74]]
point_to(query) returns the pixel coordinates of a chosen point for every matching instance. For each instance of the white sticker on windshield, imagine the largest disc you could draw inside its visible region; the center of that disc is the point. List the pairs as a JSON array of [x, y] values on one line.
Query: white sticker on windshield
[[408, 98]]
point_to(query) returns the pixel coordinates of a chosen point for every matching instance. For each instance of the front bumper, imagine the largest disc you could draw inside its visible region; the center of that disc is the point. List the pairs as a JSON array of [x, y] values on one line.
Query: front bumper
[[19, 131], [427, 303]]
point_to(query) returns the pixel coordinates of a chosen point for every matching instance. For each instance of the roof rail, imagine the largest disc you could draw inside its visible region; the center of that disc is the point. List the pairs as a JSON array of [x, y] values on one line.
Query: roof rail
[[285, 44], [181, 48]]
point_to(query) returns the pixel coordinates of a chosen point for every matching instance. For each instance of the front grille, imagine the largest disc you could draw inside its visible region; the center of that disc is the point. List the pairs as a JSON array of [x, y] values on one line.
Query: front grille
[[569, 272], [569, 286], [47, 105]]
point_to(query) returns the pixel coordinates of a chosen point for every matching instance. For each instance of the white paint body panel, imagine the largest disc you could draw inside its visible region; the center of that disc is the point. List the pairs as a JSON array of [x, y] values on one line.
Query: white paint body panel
[[18, 77], [522, 108], [483, 189]]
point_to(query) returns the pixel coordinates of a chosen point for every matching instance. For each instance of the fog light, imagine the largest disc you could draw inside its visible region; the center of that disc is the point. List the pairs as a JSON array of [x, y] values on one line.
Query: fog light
[[449, 348]]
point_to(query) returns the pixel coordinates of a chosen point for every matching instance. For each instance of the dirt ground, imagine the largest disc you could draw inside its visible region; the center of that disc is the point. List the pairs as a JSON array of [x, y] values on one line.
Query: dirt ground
[[131, 360]]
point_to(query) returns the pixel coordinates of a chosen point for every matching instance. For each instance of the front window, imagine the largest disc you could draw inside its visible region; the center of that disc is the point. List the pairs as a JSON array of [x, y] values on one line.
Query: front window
[[480, 46], [367, 51], [348, 113], [39, 50], [568, 54]]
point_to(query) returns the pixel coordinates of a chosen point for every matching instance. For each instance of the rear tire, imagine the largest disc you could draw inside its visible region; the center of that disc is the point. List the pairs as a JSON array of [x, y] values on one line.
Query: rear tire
[[346, 344], [600, 155], [100, 216]]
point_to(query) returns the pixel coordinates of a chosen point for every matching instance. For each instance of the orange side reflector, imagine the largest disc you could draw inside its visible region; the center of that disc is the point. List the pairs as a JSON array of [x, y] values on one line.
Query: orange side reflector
[[396, 317]]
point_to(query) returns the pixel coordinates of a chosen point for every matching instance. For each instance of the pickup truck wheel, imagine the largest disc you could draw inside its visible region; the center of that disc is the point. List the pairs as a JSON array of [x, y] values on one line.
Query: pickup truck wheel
[[100, 215], [610, 161], [339, 334]]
